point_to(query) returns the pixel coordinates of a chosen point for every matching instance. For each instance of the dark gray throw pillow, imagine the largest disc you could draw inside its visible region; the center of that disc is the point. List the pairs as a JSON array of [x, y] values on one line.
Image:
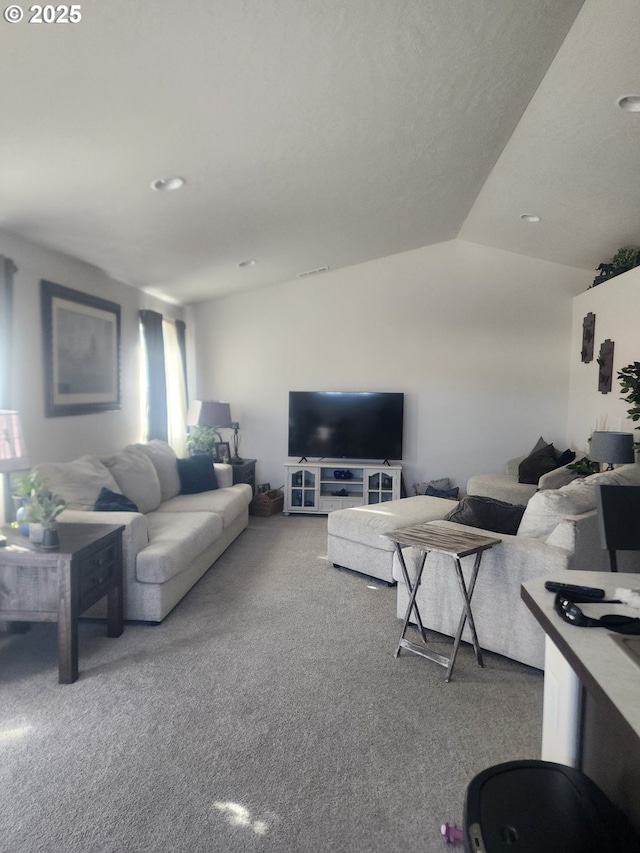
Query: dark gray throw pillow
[[197, 474], [536, 464], [487, 514], [108, 501], [450, 494]]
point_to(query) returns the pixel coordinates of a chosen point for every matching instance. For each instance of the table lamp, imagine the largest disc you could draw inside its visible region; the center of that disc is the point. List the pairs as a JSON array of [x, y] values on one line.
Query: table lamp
[[614, 448]]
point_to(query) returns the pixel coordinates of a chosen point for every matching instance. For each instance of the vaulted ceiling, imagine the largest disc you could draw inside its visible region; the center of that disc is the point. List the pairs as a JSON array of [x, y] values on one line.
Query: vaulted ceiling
[[318, 133]]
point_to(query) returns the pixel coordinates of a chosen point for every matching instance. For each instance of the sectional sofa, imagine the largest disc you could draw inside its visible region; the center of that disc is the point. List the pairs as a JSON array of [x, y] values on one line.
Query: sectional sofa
[[558, 530], [179, 516]]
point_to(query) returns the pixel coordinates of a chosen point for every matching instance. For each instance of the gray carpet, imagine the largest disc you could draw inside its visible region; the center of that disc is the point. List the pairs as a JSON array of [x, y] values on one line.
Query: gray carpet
[[266, 713]]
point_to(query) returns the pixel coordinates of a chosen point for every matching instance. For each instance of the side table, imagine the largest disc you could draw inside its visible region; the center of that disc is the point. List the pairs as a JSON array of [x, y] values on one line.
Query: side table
[[245, 472], [42, 585], [457, 543]]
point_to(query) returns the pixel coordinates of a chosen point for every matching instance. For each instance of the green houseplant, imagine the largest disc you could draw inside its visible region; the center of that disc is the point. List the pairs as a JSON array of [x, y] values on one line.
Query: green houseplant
[[42, 510], [629, 378], [202, 439], [624, 259]]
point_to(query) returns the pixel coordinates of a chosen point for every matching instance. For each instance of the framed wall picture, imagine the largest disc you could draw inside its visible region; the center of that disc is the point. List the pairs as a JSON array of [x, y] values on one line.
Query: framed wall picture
[[81, 344], [222, 451]]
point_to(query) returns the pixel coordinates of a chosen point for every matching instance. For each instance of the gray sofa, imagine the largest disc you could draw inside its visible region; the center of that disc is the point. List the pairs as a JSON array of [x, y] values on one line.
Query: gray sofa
[[173, 538], [559, 530]]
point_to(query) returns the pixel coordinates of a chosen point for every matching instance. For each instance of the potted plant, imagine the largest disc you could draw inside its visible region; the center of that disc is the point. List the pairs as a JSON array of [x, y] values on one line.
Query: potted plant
[[624, 259], [42, 510], [202, 439], [629, 378]]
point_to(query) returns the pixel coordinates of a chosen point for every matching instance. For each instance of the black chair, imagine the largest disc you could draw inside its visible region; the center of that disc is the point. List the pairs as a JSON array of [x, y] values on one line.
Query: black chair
[[618, 519]]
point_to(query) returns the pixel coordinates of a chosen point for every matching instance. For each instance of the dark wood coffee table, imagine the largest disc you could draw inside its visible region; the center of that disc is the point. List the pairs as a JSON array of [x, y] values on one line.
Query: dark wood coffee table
[[38, 585]]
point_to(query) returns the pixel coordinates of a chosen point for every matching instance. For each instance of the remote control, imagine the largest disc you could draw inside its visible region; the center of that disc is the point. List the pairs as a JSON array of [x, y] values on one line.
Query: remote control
[[589, 592]]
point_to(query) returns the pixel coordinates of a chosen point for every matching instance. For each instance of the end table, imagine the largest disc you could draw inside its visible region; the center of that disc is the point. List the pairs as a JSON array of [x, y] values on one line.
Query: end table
[[57, 585], [245, 472]]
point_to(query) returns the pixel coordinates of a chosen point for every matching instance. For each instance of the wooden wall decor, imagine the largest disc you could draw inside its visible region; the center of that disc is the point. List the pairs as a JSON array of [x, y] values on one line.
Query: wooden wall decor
[[588, 336], [605, 362]]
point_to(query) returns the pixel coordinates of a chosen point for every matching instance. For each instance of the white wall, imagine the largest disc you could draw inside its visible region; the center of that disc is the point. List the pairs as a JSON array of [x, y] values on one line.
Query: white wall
[[64, 438], [477, 339], [616, 304]]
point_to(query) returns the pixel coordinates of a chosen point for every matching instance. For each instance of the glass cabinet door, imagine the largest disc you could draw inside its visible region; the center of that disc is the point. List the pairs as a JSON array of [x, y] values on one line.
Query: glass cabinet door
[[380, 486], [303, 487]]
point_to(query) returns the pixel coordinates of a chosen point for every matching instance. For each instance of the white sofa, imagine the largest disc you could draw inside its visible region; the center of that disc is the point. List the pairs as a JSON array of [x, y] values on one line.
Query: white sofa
[[505, 487], [173, 538], [559, 530]]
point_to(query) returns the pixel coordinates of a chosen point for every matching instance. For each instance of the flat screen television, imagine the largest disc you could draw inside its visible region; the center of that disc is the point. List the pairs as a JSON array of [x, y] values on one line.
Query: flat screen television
[[346, 424]]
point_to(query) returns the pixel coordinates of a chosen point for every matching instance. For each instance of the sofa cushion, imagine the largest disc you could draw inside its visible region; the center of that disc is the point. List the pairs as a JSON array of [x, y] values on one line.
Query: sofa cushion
[[197, 474], [368, 524], [228, 503], [487, 514], [538, 462], [547, 508], [624, 475], [165, 462], [78, 482], [175, 541], [442, 484], [109, 501], [136, 477]]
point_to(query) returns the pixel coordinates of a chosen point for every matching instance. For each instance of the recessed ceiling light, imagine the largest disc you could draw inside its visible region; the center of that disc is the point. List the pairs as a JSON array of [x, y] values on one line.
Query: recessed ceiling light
[[166, 184], [250, 263], [630, 103], [529, 217]]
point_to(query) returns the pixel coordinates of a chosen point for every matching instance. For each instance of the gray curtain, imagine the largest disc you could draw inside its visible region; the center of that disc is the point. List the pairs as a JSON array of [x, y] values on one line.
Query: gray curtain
[[181, 332], [7, 270], [151, 323]]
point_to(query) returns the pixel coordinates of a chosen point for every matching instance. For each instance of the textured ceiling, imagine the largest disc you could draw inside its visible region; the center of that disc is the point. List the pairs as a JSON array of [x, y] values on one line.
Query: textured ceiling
[[318, 133]]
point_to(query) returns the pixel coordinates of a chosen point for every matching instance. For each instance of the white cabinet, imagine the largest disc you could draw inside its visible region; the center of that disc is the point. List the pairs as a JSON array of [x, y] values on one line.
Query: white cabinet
[[326, 486]]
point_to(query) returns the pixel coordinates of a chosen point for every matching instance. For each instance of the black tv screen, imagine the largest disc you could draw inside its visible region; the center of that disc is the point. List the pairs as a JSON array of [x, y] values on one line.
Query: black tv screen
[[346, 424]]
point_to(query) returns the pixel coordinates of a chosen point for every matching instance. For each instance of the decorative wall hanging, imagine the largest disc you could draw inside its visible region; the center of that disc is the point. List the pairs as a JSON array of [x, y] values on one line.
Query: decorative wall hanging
[[81, 336], [605, 361], [588, 335]]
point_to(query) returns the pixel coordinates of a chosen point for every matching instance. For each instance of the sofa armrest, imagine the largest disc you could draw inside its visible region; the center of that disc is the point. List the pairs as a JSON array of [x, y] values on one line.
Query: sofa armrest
[[224, 474], [135, 535], [557, 478], [517, 556], [511, 468]]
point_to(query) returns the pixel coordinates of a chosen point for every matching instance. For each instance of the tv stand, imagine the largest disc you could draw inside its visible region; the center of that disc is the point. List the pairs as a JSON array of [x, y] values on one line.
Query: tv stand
[[324, 486]]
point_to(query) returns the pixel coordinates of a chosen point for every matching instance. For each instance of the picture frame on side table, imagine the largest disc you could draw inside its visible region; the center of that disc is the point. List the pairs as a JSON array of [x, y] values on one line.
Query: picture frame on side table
[[81, 337], [264, 487], [222, 451]]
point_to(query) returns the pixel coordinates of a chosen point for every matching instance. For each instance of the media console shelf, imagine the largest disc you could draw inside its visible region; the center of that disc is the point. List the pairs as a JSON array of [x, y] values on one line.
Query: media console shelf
[[321, 487]]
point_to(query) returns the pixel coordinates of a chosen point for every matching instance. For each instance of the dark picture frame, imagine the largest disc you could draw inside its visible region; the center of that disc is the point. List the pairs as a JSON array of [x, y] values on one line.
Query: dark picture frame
[[81, 347], [222, 451]]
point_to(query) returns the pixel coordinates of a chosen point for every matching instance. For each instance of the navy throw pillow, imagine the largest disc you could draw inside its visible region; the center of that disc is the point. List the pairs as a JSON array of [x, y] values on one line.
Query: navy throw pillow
[[565, 458], [197, 474], [109, 501], [488, 514]]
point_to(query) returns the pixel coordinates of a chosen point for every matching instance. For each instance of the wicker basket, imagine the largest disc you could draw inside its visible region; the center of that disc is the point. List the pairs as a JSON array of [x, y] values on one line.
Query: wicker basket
[[267, 503]]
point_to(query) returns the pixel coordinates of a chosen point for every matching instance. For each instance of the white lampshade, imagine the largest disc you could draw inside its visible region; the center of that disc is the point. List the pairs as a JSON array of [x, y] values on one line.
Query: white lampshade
[[209, 413], [13, 453]]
